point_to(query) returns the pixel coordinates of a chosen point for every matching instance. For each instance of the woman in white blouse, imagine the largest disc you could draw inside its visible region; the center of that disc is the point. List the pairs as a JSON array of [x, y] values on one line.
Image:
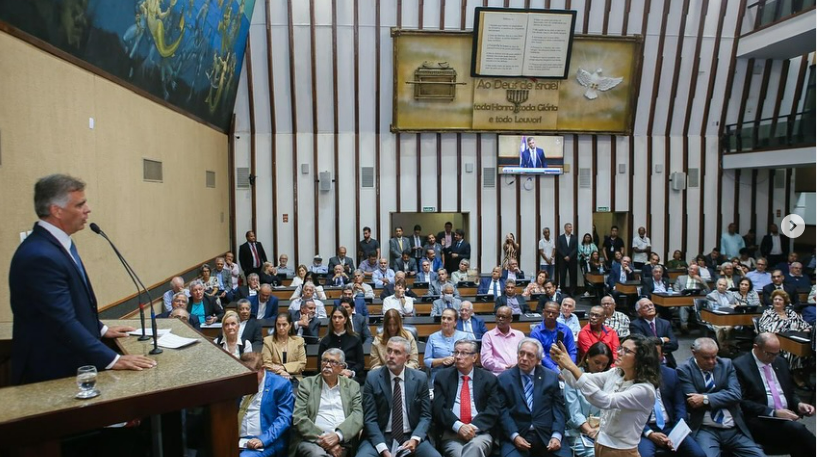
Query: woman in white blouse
[[625, 395], [228, 340]]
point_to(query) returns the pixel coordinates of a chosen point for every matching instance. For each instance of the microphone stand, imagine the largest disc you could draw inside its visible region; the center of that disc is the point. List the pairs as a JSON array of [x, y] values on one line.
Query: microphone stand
[[135, 278]]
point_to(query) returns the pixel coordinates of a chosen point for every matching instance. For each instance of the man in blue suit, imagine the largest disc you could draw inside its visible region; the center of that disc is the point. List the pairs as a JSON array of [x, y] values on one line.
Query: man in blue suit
[[670, 407], [56, 326], [470, 324], [269, 429], [534, 423], [396, 386], [532, 157], [494, 285], [648, 324], [264, 304]]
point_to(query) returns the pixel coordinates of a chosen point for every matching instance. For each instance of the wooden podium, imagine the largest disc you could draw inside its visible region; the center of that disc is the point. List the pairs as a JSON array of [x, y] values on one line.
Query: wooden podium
[[39, 415]]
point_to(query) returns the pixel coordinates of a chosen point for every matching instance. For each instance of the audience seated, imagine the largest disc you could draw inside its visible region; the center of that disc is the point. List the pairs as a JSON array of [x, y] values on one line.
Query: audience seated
[[284, 268], [309, 279], [229, 339], [778, 283], [533, 417], [180, 301], [305, 321], [470, 324], [713, 396], [513, 271], [616, 320], [462, 273], [283, 352], [692, 281], [567, 317], [780, 318], [499, 345], [677, 261], [317, 266], [392, 326], [745, 295], [440, 345], [399, 301], [536, 286], [369, 265], [176, 286], [494, 285], [551, 295], [582, 418], [328, 414], [596, 332], [767, 391], [339, 335], [203, 307], [383, 274], [648, 324], [338, 278], [721, 297], [308, 294], [360, 303], [360, 323], [248, 327], [759, 276], [405, 264], [264, 304], [426, 273], [796, 278], [388, 289], [245, 291], [361, 288], [268, 274], [549, 330], [517, 303], [435, 287], [728, 273], [265, 417], [347, 263], [466, 405], [446, 300]]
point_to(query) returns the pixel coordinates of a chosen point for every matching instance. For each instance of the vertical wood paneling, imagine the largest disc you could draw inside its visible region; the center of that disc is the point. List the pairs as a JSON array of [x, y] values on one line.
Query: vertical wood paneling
[[294, 114], [335, 117], [314, 80], [273, 132], [253, 156]]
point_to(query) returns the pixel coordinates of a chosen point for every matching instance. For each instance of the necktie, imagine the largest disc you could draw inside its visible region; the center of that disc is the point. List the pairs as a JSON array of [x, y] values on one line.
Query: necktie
[[778, 404], [652, 328], [400, 243], [397, 412], [256, 261], [659, 416], [338, 281], [709, 383], [78, 261], [467, 327], [465, 401], [496, 289], [528, 391], [458, 244]]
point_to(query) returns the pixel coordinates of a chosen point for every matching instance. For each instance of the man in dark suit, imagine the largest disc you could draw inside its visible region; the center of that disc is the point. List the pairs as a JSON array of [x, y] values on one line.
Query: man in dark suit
[[620, 273], [513, 271], [248, 327], [360, 323], [56, 326], [469, 323], [532, 424], [343, 260], [516, 302], [670, 407], [405, 264], [762, 371], [550, 295], [774, 246], [251, 255], [337, 278], [397, 245], [264, 304], [416, 243], [465, 404], [494, 285], [446, 237], [648, 324], [212, 312], [388, 289], [391, 388], [360, 302], [306, 322], [656, 282], [567, 247], [532, 157], [778, 283], [246, 291], [713, 397], [459, 249]]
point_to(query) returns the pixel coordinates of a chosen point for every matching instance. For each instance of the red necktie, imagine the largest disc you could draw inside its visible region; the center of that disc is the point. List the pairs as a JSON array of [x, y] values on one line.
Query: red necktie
[[256, 261], [465, 402]]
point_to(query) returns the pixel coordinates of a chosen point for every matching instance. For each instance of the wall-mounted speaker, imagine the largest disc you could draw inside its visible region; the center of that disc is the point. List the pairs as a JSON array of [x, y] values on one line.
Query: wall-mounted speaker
[[325, 181], [678, 180], [304, 168]]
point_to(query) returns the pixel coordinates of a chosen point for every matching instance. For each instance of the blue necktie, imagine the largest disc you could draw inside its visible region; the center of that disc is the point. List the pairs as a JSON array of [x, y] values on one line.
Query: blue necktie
[[659, 416], [78, 261], [709, 382], [496, 289], [528, 390]]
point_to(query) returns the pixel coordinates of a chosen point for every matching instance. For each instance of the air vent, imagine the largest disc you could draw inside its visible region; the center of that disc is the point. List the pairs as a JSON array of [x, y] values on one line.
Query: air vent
[[210, 178], [151, 170], [692, 177], [780, 178], [489, 177], [367, 177], [585, 180], [242, 178]]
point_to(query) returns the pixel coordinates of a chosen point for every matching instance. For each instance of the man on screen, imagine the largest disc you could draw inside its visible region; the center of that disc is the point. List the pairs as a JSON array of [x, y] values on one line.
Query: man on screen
[[532, 157]]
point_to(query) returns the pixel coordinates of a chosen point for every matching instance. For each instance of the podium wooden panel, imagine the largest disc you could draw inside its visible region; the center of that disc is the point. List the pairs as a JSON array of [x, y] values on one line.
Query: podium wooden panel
[[39, 415]]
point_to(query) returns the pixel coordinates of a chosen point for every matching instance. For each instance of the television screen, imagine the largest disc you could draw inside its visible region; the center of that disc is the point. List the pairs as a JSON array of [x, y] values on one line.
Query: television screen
[[530, 155]]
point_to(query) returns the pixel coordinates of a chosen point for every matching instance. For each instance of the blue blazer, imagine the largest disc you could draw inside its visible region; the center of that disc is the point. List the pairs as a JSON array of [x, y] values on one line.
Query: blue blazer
[[477, 325], [615, 275], [664, 329], [672, 397], [548, 415], [485, 285], [276, 417], [360, 306], [520, 276], [56, 327], [727, 392], [269, 312]]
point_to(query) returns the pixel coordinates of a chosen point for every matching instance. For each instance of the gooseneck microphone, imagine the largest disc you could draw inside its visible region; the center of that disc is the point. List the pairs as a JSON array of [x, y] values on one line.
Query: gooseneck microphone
[[139, 288]]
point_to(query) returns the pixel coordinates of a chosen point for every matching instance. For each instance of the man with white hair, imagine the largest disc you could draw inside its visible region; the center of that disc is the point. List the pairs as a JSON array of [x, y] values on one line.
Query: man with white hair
[[473, 326], [446, 300], [648, 324], [176, 286], [308, 293]]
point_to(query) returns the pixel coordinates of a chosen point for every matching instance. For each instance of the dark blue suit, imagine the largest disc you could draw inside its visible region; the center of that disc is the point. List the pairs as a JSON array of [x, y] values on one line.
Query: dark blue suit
[[477, 325], [485, 286], [276, 417], [675, 405], [548, 415], [360, 306], [519, 276], [269, 312], [56, 327], [663, 328], [615, 275]]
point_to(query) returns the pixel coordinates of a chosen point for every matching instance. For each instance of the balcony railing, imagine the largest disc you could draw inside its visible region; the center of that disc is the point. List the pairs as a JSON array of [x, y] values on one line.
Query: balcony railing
[[772, 11], [782, 132]]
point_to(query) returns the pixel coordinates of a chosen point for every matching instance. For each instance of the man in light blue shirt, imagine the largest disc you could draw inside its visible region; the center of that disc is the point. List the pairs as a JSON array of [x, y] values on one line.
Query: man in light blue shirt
[[384, 274], [731, 242], [759, 276]]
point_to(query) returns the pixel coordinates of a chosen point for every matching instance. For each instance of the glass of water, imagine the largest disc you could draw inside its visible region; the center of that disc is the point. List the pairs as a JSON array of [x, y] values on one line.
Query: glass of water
[[86, 381]]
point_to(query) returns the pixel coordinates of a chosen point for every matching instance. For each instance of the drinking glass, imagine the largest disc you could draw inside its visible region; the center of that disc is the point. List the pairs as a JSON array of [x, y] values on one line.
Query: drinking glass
[[86, 381]]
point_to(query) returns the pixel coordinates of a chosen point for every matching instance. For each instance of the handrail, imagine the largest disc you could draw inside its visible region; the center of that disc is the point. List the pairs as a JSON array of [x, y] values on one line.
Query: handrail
[[782, 10], [786, 131]]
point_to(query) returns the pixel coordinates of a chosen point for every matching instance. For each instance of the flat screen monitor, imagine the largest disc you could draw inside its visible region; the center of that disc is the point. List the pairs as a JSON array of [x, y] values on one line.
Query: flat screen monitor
[[530, 155]]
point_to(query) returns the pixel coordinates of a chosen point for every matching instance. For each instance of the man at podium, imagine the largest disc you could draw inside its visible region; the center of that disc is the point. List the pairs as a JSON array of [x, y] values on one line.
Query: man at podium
[[56, 327]]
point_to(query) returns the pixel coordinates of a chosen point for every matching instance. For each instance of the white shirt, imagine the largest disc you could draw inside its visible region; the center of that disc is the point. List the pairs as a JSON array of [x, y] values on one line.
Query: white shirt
[[457, 400], [769, 397], [320, 308], [330, 412], [776, 249], [251, 424], [66, 242], [625, 406], [262, 308], [643, 244], [498, 288], [469, 329], [404, 306], [547, 246]]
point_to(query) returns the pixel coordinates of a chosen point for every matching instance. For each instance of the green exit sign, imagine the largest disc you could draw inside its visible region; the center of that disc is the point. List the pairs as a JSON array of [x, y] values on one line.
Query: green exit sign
[[603, 209], [429, 209]]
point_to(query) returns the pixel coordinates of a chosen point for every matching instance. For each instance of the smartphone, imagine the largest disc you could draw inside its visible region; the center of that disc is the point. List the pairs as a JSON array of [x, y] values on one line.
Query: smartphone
[[560, 337]]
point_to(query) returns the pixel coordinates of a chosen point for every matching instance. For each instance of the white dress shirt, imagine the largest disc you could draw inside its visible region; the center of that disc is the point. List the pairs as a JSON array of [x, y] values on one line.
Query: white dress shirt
[[330, 412], [404, 305], [251, 424], [458, 401]]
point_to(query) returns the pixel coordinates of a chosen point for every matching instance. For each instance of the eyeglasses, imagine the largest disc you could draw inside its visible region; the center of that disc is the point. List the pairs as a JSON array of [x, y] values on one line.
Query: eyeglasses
[[332, 363], [462, 353], [622, 349]]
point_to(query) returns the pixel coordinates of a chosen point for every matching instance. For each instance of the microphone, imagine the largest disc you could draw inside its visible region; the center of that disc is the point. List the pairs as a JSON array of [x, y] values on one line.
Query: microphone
[[139, 287]]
